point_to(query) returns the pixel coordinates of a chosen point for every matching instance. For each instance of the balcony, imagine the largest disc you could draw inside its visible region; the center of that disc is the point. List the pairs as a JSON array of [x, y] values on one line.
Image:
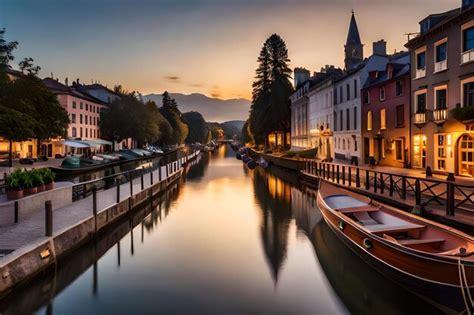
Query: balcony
[[441, 66], [440, 115], [420, 119], [420, 73], [467, 56]]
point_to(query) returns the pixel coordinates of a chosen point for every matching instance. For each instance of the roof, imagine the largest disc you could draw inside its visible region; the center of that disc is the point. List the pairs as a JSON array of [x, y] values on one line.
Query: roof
[[58, 88], [399, 69], [353, 37], [97, 86]]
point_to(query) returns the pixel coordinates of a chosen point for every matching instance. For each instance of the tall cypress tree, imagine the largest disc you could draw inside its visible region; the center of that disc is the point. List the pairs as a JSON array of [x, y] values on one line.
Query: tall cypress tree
[[270, 109]]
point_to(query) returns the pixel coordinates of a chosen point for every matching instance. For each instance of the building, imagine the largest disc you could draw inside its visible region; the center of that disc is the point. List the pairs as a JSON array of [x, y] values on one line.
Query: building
[[84, 115], [442, 90], [386, 114], [100, 92], [299, 110]]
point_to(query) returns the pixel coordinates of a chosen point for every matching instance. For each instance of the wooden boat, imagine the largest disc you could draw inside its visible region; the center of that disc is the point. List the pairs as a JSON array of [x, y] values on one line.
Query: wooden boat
[[420, 253]]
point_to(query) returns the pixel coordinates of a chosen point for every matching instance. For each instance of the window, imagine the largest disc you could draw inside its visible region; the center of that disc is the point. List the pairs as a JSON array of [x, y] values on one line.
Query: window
[[335, 121], [348, 91], [86, 120], [383, 119], [400, 116], [80, 119], [343, 144], [399, 150], [74, 132], [441, 52], [81, 132], [87, 106], [382, 93], [420, 103], [355, 88], [366, 97], [468, 39], [421, 61], [87, 132], [468, 93], [355, 145], [348, 119], [340, 95], [440, 99], [81, 106], [341, 121], [355, 118], [369, 120], [73, 104], [73, 118], [441, 152], [335, 96], [399, 88]]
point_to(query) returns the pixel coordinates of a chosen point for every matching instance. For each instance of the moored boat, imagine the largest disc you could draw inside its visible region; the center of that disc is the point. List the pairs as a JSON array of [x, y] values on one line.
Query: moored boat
[[417, 252]]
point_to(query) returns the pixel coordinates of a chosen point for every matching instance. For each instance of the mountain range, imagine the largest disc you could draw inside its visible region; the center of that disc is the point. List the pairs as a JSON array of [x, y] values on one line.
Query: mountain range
[[212, 109]]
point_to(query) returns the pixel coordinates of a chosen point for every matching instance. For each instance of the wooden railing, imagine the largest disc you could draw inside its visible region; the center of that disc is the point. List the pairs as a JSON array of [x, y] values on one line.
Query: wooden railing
[[423, 192]]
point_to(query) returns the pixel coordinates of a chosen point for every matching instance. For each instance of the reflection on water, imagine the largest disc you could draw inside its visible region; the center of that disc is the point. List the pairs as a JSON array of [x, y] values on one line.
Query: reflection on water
[[224, 240]]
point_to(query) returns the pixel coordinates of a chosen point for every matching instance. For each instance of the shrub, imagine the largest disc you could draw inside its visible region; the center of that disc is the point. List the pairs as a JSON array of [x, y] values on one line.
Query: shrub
[[37, 177], [48, 175], [13, 181]]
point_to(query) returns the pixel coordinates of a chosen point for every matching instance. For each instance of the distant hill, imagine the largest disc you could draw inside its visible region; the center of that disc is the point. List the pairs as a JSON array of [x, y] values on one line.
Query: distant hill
[[230, 128], [212, 109]]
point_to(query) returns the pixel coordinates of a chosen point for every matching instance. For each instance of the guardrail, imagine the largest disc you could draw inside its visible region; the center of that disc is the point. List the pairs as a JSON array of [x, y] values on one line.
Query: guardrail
[[424, 192]]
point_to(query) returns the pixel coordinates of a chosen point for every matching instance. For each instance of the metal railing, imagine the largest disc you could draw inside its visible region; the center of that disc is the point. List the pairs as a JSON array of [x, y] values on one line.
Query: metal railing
[[426, 193]]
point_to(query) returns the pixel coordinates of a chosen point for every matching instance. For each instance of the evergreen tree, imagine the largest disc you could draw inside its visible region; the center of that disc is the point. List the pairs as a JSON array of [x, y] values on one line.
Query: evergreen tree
[[198, 131], [270, 109], [171, 112]]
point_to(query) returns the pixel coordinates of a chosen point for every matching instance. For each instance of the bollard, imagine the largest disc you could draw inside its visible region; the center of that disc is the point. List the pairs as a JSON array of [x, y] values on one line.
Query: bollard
[[130, 179], [48, 218], [117, 183], [94, 206], [141, 179], [16, 211]]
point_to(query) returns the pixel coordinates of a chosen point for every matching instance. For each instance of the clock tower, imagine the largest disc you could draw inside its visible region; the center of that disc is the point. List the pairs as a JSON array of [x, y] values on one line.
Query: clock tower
[[354, 50]]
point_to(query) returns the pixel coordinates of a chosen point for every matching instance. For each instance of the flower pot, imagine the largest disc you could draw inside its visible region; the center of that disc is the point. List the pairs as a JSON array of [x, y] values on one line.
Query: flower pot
[[41, 188], [49, 186], [30, 191], [14, 194]]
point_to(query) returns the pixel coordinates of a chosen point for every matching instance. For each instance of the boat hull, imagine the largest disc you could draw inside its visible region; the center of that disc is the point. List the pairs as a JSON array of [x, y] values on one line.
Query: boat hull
[[434, 277]]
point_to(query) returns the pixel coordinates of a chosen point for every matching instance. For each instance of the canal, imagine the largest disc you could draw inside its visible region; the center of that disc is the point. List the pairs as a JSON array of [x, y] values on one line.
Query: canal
[[224, 240]]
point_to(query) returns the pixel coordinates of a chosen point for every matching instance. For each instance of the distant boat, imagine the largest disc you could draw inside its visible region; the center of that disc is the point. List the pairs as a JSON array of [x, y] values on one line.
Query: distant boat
[[251, 164], [413, 250], [262, 163]]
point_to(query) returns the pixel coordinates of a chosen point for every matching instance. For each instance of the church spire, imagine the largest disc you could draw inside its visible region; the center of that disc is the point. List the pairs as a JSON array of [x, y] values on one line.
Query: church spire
[[353, 48]]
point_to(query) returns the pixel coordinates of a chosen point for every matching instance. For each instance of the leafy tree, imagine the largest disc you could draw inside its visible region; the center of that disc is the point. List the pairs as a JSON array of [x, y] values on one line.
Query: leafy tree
[[6, 51], [14, 126], [270, 109], [27, 65], [170, 111], [198, 131]]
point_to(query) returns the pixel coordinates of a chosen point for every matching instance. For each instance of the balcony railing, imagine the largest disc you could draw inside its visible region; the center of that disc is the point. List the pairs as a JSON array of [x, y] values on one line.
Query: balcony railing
[[420, 118], [440, 115], [441, 65], [467, 56], [420, 73]]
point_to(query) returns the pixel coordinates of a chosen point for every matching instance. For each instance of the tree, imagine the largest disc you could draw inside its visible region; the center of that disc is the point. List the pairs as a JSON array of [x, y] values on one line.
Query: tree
[[14, 126], [270, 109], [6, 51], [198, 131], [27, 65], [246, 134], [170, 111]]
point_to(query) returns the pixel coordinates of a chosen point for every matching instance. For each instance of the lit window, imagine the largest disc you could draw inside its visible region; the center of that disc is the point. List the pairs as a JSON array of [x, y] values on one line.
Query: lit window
[[369, 120], [383, 121]]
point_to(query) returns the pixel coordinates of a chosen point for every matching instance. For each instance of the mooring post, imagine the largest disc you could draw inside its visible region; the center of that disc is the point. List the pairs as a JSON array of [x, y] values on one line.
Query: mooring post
[[16, 211], [357, 177], [367, 180], [141, 178], [337, 173], [167, 170], [151, 178], [391, 185], [130, 179], [450, 194], [94, 206], [343, 175], [404, 188], [382, 184], [117, 184], [349, 176], [417, 192], [48, 207], [159, 174]]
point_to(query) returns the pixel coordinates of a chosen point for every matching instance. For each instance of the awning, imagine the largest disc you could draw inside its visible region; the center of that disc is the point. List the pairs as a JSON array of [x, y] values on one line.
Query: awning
[[102, 142], [75, 144]]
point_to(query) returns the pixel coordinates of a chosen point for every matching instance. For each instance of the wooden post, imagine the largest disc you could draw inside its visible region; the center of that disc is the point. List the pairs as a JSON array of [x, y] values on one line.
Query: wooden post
[[357, 178], [94, 207], [16, 211], [375, 182], [382, 184], [117, 184], [450, 195], [130, 179], [167, 170], [323, 166], [332, 172], [404, 188], [151, 178], [343, 175], [337, 174], [417, 192], [141, 179], [48, 207], [391, 185], [349, 175], [367, 180], [84, 191], [159, 174]]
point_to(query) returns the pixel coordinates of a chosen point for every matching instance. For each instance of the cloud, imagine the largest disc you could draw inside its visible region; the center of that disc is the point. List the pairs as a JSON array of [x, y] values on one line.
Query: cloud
[[173, 78], [196, 85], [216, 94]]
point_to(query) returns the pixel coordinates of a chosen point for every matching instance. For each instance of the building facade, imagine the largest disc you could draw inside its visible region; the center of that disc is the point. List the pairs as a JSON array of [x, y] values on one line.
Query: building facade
[[442, 91], [385, 113]]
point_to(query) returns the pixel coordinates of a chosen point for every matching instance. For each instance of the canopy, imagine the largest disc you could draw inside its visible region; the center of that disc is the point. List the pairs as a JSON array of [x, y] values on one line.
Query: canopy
[[75, 144]]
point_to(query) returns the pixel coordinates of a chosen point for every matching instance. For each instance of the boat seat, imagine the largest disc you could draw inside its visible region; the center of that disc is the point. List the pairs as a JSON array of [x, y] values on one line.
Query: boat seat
[[422, 241], [368, 208], [365, 219], [385, 228]]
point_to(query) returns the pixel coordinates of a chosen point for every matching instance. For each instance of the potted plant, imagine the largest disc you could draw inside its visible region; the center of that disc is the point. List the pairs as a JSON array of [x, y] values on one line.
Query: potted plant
[[37, 178], [48, 178], [14, 188], [27, 179]]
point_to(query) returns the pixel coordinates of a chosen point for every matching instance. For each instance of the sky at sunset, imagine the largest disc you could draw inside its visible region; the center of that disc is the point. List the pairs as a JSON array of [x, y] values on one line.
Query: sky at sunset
[[204, 46]]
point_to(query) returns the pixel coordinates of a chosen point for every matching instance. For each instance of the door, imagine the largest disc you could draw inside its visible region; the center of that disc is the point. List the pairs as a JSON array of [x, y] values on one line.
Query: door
[[466, 156], [419, 151], [50, 150]]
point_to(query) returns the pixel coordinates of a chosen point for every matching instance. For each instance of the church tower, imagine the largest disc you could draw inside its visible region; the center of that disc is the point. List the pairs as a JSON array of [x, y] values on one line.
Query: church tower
[[354, 50]]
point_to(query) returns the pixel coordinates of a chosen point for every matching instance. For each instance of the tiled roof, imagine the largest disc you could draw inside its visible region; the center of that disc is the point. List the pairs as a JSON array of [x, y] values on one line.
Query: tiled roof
[[59, 88]]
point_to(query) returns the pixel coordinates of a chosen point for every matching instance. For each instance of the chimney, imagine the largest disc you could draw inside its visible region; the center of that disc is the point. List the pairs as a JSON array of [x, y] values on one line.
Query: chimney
[[77, 81], [300, 75], [379, 48], [66, 83]]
